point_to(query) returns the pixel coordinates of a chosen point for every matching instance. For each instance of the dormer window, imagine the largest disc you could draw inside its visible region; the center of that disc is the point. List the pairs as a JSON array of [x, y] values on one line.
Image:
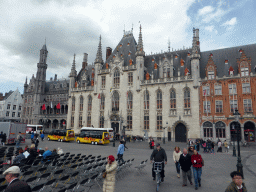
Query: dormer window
[[226, 61], [129, 53], [231, 71], [182, 63], [244, 71], [210, 75]]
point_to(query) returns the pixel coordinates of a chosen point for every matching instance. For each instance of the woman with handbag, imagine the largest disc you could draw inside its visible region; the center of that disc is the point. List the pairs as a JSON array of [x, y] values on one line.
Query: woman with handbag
[[110, 175]]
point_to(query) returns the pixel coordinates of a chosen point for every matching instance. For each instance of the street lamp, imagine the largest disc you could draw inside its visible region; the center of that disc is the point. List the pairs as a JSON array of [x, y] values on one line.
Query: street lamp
[[164, 132], [114, 136], [239, 163], [234, 148]]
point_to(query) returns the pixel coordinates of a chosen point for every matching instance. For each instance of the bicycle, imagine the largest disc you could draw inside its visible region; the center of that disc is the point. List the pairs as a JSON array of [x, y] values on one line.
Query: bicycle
[[158, 168]]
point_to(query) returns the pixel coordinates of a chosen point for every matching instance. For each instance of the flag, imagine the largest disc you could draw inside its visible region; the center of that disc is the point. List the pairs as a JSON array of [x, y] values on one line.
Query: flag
[[99, 96], [58, 106], [43, 107], [51, 105]]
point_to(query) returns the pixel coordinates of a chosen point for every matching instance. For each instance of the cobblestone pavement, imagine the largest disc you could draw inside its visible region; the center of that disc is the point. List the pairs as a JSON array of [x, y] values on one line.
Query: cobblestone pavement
[[215, 176]]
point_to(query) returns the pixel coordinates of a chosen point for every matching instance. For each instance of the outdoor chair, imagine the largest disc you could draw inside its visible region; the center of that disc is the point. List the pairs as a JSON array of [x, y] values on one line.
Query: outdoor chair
[[57, 174], [47, 187], [43, 178], [61, 182], [71, 187], [26, 175], [37, 188], [30, 180], [140, 167]]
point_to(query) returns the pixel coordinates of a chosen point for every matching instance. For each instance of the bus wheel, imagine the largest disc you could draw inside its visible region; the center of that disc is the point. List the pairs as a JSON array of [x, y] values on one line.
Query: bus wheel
[[61, 140], [92, 143], [48, 139], [96, 143], [78, 141]]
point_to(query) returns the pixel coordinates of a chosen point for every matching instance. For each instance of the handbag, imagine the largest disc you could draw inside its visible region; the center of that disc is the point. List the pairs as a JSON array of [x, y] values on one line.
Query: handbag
[[104, 174]]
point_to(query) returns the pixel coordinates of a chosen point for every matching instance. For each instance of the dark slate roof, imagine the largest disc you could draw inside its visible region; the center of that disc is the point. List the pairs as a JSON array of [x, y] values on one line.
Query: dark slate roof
[[181, 54], [88, 73], [7, 94], [230, 54], [48, 83], [124, 50]]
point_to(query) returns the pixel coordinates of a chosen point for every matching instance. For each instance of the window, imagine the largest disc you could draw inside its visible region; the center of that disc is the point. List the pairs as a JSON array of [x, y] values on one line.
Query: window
[[207, 126], [207, 107], [219, 106], [89, 120], [18, 114], [13, 114], [102, 102], [146, 100], [159, 122], [89, 103], [246, 87], [103, 82], [73, 103], [129, 122], [146, 122], [14, 107], [129, 100], [9, 106], [72, 121], [218, 89], [220, 130], [116, 78], [7, 113], [233, 105], [159, 99], [247, 105], [244, 71], [232, 88], [210, 75], [101, 122], [115, 101], [81, 103], [130, 79], [24, 111], [20, 108], [186, 98], [80, 121], [206, 90], [173, 99]]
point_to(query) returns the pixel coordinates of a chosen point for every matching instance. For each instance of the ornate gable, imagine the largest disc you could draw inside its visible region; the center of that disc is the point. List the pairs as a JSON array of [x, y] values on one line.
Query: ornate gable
[[211, 69], [244, 64]]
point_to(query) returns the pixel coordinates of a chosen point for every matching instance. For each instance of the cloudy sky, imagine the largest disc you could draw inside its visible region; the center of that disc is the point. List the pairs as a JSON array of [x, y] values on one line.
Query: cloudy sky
[[74, 26]]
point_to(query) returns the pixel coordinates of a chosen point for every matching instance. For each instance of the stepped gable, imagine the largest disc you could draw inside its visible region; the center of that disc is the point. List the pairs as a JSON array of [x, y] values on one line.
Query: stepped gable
[[124, 49], [230, 54]]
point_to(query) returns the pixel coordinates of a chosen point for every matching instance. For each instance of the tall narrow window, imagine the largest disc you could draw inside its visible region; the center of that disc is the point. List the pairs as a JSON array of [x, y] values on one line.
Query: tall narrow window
[[129, 100], [9, 106], [81, 103], [159, 122], [210, 75], [14, 107], [159, 99], [89, 120], [102, 122], [103, 82], [186, 98], [146, 122], [72, 121], [244, 71], [220, 129], [247, 105], [146, 100], [80, 120], [89, 103], [102, 102], [7, 113], [218, 89], [130, 78], [207, 107], [73, 103], [206, 90], [115, 101], [219, 106], [208, 127], [173, 99], [246, 88], [116, 78], [24, 111], [233, 105], [129, 122], [232, 88]]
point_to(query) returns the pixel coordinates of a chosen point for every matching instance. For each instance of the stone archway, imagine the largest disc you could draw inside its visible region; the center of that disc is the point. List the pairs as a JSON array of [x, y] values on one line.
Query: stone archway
[[249, 131], [180, 130]]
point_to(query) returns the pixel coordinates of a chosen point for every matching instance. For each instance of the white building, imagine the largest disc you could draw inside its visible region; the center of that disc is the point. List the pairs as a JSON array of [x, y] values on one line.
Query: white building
[[10, 106]]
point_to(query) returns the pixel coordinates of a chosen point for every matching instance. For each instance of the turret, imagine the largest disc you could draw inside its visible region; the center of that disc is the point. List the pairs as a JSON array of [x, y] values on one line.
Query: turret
[[25, 85], [195, 57], [98, 65], [72, 75]]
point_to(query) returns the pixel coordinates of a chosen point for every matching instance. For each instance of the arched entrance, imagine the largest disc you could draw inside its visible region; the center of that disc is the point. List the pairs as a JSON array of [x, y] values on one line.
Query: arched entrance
[[115, 127], [249, 131], [55, 124], [233, 131], [63, 124], [180, 133], [208, 129]]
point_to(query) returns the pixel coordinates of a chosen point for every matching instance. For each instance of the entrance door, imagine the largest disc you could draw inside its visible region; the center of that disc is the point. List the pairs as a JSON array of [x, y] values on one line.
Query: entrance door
[[249, 134], [180, 133], [169, 136], [115, 127]]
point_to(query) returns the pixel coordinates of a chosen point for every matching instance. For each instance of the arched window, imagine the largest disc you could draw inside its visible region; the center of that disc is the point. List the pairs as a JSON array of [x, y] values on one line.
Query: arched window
[[186, 98], [159, 99], [102, 102], [173, 99], [146, 100], [220, 129], [129, 122], [115, 101], [80, 120], [129, 100], [89, 120], [73, 103], [116, 78], [81, 103], [207, 126], [89, 103], [72, 121], [101, 121]]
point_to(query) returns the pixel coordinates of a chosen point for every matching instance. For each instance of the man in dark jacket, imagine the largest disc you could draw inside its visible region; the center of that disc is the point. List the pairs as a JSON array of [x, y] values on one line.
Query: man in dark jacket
[[185, 163], [237, 184], [158, 155], [15, 185]]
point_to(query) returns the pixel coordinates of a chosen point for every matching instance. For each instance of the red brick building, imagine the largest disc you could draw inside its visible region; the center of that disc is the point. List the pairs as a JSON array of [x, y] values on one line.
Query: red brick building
[[228, 82]]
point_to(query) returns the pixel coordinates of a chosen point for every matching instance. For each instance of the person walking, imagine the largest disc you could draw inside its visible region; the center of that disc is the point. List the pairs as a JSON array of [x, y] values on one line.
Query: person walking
[[152, 144], [36, 143], [18, 140], [124, 142], [158, 155], [32, 137], [3, 139], [185, 164], [237, 184], [212, 146], [226, 146], [120, 152], [196, 161], [219, 146], [204, 146], [191, 150], [176, 158], [42, 136], [109, 181], [15, 185]]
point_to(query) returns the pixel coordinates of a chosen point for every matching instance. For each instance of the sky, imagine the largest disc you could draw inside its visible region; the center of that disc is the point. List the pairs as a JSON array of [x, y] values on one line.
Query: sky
[[74, 26]]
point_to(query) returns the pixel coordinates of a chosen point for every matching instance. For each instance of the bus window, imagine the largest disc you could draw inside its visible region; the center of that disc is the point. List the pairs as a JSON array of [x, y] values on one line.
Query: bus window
[[71, 134]]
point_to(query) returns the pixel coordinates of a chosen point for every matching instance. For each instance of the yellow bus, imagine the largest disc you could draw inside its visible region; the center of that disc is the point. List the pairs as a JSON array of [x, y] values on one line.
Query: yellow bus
[[94, 136], [61, 135]]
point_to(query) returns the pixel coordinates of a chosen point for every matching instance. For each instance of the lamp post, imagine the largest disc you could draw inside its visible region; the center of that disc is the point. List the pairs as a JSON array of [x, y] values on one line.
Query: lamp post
[[234, 148], [239, 162], [44, 121], [164, 132], [114, 136]]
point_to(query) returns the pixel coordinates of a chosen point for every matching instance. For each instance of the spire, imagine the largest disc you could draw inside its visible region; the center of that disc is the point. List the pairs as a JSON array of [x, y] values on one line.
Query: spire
[[99, 54], [73, 68], [195, 43], [140, 51], [169, 45], [44, 46], [26, 82]]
